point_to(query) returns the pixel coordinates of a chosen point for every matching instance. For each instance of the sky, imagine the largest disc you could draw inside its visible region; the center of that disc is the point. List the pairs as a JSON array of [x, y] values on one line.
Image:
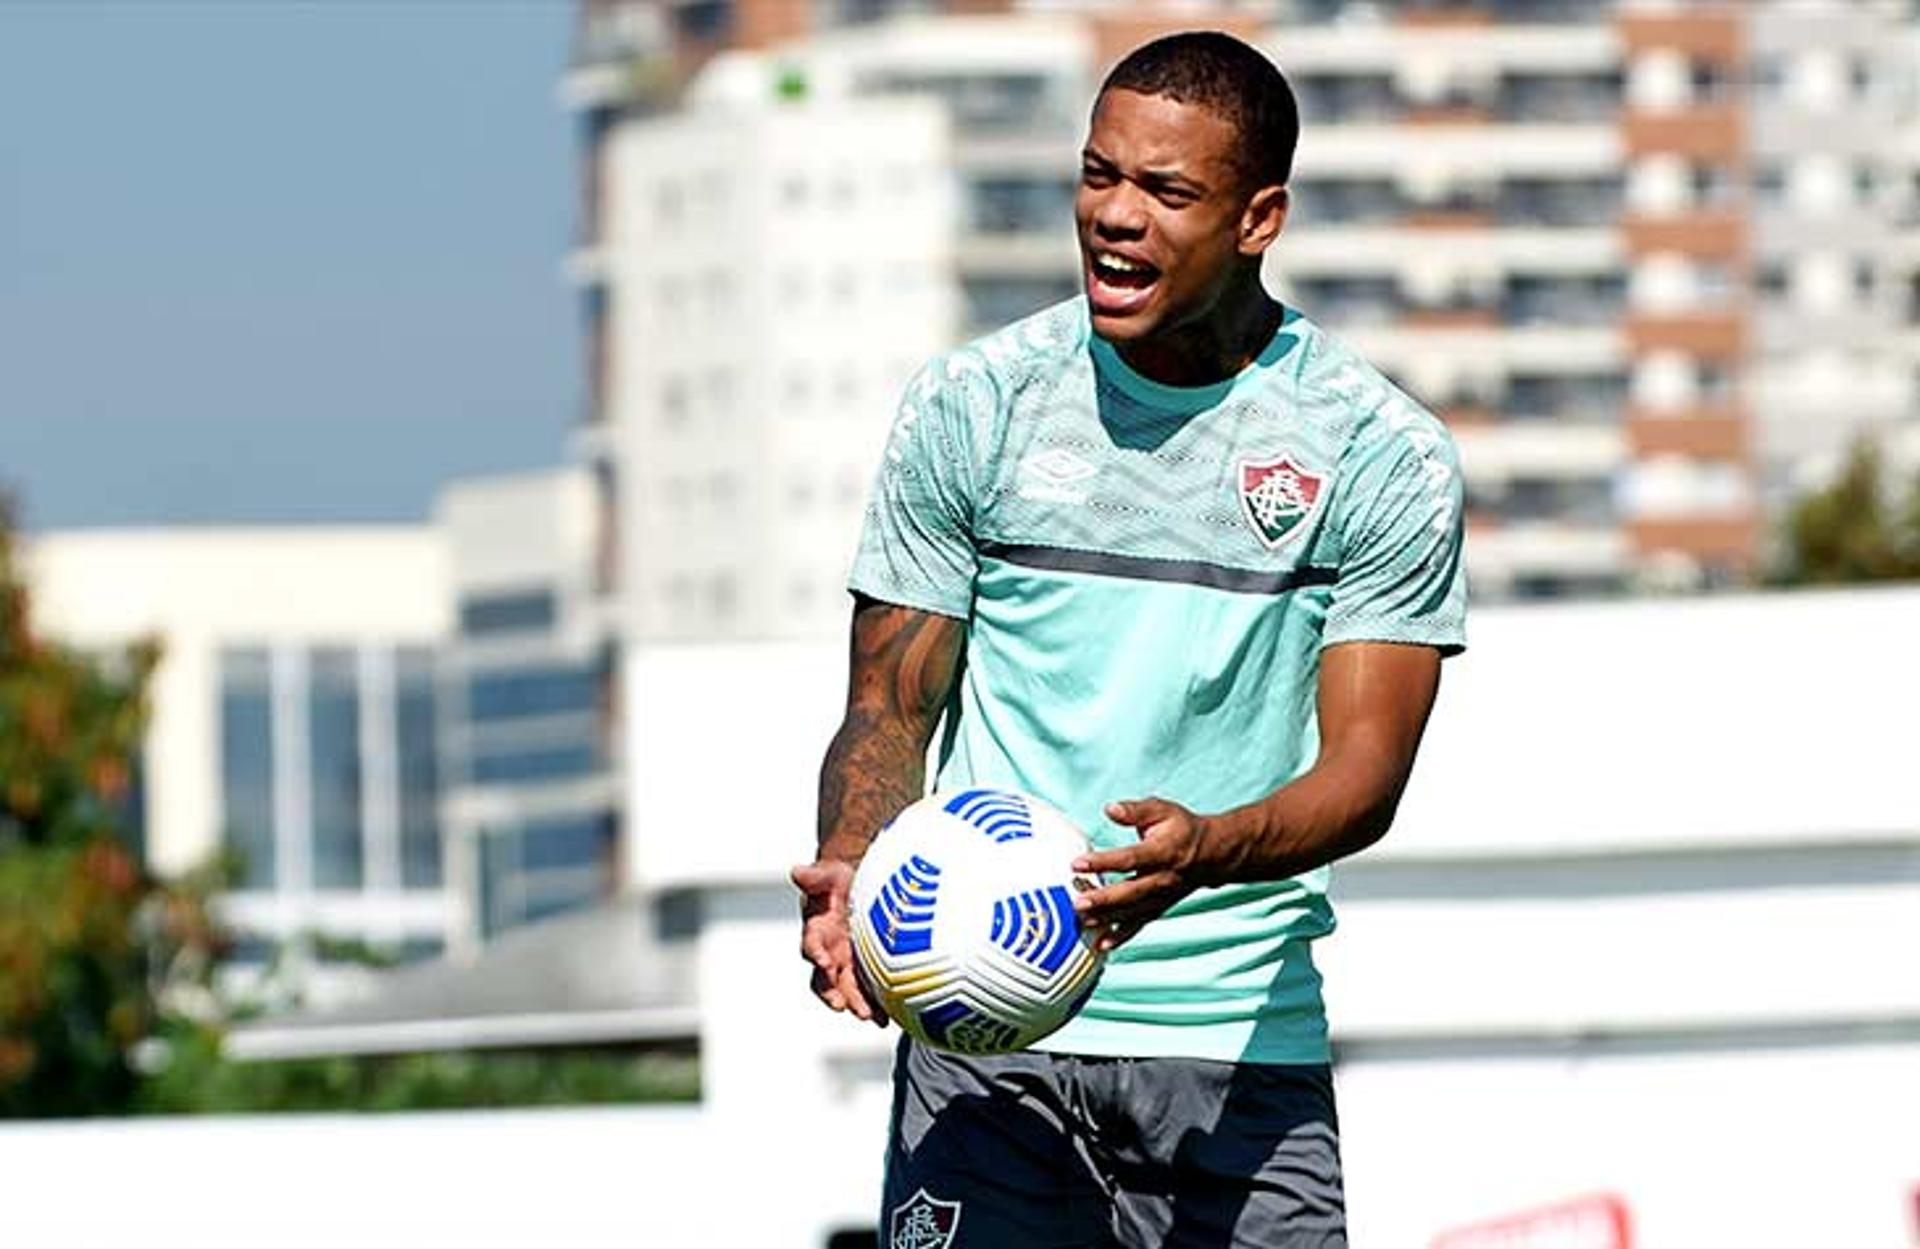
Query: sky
[[280, 260]]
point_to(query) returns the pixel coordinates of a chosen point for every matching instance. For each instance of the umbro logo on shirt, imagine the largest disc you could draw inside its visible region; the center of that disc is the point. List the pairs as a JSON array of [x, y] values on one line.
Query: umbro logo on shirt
[[1052, 477]]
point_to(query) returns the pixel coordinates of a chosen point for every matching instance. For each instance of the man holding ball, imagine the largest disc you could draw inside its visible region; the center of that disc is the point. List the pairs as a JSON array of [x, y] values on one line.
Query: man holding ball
[[1175, 561]]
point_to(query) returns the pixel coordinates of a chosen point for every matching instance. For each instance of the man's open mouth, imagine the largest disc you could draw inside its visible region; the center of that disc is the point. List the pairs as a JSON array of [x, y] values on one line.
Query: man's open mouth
[[1118, 283]]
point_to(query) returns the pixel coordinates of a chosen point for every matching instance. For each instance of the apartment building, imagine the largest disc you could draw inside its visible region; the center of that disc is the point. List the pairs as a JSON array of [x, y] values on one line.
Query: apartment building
[[1643, 256], [762, 269]]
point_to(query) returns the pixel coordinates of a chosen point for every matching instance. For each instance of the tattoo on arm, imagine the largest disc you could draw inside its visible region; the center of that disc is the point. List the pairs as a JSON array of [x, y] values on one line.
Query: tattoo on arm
[[903, 666]]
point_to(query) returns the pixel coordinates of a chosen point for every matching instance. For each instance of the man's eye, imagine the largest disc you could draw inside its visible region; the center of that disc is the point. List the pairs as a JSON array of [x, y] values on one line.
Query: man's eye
[[1093, 175]]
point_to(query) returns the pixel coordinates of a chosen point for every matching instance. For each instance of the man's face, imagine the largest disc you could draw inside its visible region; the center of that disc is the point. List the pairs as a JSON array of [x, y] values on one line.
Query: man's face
[[1160, 211]]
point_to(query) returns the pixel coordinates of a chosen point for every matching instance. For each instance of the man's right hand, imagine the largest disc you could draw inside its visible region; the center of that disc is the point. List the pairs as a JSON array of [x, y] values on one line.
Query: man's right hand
[[825, 940]]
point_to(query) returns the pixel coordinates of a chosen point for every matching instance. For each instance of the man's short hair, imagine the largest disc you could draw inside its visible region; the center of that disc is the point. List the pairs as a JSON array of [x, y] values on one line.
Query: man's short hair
[[1234, 80]]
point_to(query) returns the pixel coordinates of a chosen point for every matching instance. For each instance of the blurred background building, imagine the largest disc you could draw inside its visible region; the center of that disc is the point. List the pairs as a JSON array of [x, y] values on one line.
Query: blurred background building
[[1649, 261], [1632, 252], [1653, 263], [295, 720]]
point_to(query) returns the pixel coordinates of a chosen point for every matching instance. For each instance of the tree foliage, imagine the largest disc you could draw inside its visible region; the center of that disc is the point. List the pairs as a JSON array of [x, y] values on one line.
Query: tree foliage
[[1854, 530], [80, 931]]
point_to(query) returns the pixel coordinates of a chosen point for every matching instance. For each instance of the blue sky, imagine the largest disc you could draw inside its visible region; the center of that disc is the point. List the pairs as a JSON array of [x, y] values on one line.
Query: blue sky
[[279, 260]]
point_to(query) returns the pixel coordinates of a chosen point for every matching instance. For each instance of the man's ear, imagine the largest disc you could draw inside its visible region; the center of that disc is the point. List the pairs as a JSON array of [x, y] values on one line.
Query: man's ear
[[1265, 217]]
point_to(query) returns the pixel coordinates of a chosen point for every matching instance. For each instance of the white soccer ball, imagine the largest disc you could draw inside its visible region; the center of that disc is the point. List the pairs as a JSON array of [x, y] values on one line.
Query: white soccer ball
[[963, 923]]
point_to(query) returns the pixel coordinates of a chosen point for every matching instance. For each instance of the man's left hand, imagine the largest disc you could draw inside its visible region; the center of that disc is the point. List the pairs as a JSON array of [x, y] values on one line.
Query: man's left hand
[[1161, 867]]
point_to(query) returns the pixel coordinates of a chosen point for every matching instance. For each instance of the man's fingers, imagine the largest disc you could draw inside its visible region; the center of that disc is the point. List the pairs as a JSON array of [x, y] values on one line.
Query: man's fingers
[[1139, 812], [1140, 858], [823, 988], [1121, 859], [1112, 903], [818, 947]]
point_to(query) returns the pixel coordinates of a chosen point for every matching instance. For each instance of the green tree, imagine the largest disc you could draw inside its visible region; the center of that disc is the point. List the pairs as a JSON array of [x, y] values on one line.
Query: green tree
[[1855, 529], [81, 928]]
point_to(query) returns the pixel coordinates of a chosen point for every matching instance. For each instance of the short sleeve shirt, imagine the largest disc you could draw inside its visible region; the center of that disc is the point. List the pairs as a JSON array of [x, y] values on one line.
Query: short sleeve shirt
[[1149, 575]]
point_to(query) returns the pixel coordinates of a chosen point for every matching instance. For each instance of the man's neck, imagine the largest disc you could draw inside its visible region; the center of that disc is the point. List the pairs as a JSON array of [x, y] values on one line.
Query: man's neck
[[1214, 348]]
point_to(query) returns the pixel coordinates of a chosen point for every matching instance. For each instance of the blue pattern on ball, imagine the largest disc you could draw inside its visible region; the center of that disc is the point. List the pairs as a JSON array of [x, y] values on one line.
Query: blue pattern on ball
[[1037, 927], [1000, 815], [902, 915]]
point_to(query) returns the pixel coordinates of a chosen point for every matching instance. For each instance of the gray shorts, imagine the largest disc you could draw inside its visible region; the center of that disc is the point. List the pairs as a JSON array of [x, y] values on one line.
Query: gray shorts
[[1055, 1151]]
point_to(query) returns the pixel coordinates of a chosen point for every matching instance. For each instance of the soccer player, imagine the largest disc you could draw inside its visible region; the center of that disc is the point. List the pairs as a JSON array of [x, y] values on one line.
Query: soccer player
[[1174, 560]]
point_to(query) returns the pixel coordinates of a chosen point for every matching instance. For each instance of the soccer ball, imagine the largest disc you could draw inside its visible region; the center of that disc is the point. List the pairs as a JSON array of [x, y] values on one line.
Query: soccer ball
[[963, 923]]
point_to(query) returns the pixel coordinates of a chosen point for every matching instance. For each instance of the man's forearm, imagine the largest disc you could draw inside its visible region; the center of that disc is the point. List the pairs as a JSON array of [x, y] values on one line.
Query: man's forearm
[[902, 668], [1330, 812], [872, 771]]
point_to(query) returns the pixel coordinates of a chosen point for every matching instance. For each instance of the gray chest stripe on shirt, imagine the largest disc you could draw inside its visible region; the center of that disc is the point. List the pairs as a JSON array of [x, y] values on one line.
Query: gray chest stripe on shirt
[[1141, 568]]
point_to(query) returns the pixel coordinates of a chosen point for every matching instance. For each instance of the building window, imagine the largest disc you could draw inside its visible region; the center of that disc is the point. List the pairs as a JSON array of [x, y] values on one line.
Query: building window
[[514, 611], [979, 103], [1772, 278], [1589, 397], [1713, 382], [1028, 205], [1860, 76], [1559, 201], [1346, 97], [548, 690], [992, 302], [670, 202], [1567, 97], [1713, 185], [246, 763], [676, 403], [723, 595], [1866, 184], [1532, 299], [520, 764], [1350, 300], [333, 745], [544, 868], [419, 769], [1350, 200], [1770, 183], [1707, 81]]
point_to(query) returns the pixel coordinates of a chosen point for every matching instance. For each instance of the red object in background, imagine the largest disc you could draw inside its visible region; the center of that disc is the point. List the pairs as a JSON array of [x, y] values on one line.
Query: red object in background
[[1596, 1222], [1916, 1215]]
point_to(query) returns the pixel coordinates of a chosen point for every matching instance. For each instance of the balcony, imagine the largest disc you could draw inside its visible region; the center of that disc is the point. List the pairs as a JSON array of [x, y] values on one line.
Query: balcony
[[1705, 334], [1712, 132], [1586, 97], [1730, 540], [1714, 234], [1710, 434]]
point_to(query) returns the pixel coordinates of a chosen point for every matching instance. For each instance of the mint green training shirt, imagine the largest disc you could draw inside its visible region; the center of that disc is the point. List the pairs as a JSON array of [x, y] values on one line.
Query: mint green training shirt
[[1148, 575]]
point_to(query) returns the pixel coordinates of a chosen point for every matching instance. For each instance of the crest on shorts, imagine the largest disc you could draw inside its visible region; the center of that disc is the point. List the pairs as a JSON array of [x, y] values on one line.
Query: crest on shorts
[[1277, 497], [920, 1222]]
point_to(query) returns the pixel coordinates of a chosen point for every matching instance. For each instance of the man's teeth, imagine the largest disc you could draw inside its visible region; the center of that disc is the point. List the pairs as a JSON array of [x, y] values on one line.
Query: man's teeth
[[1120, 264]]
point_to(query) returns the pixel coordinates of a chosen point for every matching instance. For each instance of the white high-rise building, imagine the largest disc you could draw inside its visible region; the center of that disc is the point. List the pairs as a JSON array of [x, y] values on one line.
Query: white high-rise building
[[763, 271]]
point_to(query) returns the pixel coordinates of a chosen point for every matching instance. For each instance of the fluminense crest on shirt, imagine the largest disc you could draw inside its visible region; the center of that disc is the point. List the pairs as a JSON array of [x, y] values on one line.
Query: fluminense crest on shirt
[[1277, 497], [921, 1222]]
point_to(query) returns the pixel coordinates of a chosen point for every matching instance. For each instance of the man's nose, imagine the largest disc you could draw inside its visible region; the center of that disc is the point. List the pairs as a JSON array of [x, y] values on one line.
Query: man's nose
[[1119, 212]]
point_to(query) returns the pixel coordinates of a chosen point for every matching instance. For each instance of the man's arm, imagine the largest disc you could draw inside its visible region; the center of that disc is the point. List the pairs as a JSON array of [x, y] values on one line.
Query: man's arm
[[901, 671], [1374, 698]]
